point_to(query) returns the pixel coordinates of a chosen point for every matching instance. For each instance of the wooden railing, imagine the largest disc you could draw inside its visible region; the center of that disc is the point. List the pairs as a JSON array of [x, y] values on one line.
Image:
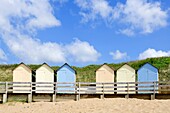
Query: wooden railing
[[85, 87], [79, 88]]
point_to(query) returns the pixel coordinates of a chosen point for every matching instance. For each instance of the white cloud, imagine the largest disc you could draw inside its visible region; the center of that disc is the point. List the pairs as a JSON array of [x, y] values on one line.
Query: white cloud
[[92, 9], [2, 55], [30, 14], [143, 15], [135, 16], [19, 18], [82, 51], [117, 55], [150, 53], [31, 50], [127, 32]]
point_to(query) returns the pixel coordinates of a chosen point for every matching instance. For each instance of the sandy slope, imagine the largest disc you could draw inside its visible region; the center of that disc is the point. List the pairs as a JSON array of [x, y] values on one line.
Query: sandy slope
[[90, 106]]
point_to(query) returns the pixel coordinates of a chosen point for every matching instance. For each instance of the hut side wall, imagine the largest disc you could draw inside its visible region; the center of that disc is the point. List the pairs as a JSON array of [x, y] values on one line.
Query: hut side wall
[[44, 74], [105, 74], [22, 74], [126, 74], [66, 74]]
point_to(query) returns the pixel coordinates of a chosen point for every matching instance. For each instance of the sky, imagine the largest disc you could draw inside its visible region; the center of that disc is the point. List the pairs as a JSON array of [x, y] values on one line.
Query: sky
[[83, 32]]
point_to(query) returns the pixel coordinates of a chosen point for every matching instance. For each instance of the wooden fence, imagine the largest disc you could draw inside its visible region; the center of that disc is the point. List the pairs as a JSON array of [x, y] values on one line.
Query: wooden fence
[[79, 88]]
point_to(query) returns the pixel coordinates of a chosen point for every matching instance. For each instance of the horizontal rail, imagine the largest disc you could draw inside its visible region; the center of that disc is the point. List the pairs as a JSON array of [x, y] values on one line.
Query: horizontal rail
[[85, 87]]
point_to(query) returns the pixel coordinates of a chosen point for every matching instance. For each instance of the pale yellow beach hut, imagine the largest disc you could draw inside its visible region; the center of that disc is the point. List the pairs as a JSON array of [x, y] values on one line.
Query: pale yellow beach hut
[[22, 73], [105, 74], [44, 74], [126, 74]]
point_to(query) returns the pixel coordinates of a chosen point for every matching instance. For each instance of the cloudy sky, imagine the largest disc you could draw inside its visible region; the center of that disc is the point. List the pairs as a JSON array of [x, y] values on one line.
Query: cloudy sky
[[83, 32]]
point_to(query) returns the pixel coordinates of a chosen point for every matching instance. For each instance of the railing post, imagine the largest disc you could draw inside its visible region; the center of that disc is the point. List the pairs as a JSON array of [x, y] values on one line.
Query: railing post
[[127, 96], [154, 87], [54, 94], [30, 94], [5, 94], [102, 96], [79, 89]]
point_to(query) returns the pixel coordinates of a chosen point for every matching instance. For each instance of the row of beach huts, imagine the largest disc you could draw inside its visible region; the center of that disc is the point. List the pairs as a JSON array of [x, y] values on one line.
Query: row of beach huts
[[23, 73]]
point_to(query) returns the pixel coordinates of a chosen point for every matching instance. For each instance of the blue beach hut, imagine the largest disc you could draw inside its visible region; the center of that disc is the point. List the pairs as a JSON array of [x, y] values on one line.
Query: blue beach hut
[[66, 74], [147, 73]]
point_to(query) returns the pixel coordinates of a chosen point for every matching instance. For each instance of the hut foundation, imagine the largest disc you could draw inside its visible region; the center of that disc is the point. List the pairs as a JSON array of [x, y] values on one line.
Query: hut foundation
[[4, 98]]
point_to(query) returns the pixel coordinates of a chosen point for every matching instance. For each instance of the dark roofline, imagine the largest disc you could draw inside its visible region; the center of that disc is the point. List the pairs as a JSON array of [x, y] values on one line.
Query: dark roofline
[[103, 65], [125, 64], [44, 64], [24, 65], [68, 66], [149, 64]]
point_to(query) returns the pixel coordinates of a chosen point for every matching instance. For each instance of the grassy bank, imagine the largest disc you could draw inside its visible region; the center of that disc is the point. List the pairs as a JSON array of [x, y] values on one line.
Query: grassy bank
[[87, 73]]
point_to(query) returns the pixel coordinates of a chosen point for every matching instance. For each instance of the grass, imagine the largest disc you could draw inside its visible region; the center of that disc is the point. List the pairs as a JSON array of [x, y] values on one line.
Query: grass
[[87, 73]]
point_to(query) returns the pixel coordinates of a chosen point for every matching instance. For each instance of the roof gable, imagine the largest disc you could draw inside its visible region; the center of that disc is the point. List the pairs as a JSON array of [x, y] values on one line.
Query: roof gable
[[67, 66], [46, 66], [148, 66], [126, 66], [106, 67], [24, 65]]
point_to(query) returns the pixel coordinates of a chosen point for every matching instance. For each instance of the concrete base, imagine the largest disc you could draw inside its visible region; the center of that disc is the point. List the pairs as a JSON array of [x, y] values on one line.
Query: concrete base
[[77, 97], [29, 98], [4, 98], [53, 98], [101, 96], [152, 97], [126, 96]]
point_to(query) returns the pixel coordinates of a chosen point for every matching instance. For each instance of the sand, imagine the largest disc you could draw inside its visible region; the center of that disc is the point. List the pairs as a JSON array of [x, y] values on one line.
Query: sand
[[115, 105]]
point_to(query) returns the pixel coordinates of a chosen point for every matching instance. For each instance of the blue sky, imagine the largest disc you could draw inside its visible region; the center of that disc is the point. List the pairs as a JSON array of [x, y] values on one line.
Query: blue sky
[[83, 32]]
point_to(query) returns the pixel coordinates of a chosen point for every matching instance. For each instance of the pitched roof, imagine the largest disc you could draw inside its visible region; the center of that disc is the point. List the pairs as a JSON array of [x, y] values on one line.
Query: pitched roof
[[125, 64], [149, 64], [46, 65], [24, 65], [103, 65], [68, 66]]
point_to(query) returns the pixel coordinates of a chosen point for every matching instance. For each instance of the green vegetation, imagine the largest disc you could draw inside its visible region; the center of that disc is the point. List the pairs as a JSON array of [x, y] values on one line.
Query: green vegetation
[[87, 73]]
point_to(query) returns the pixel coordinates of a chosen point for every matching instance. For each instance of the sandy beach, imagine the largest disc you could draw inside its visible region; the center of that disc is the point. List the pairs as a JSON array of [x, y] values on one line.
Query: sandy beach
[[116, 105]]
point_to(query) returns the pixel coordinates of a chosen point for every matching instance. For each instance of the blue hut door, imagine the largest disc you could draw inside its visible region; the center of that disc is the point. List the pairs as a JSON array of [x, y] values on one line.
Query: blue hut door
[[64, 82]]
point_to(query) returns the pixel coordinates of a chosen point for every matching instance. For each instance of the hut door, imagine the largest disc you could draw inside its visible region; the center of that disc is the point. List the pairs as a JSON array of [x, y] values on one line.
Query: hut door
[[124, 76], [101, 76]]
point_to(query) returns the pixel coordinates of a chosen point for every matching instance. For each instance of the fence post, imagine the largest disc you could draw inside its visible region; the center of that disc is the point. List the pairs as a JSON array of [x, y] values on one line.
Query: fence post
[[102, 96], [153, 95], [30, 94], [127, 96], [79, 90], [4, 100], [54, 94]]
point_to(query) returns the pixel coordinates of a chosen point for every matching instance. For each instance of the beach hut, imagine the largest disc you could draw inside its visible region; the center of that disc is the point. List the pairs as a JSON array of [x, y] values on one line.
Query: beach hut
[[105, 74], [147, 73], [44, 74], [22, 73], [68, 75], [126, 74]]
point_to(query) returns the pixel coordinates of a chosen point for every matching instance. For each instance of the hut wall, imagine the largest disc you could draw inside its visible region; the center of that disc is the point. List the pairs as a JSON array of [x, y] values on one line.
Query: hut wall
[[105, 74], [66, 74], [126, 74], [44, 74], [22, 74]]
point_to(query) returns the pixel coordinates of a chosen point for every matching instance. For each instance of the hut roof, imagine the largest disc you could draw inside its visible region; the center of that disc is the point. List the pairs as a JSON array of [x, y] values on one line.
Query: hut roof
[[24, 65], [46, 65], [124, 65], [148, 64], [106, 65], [68, 66]]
